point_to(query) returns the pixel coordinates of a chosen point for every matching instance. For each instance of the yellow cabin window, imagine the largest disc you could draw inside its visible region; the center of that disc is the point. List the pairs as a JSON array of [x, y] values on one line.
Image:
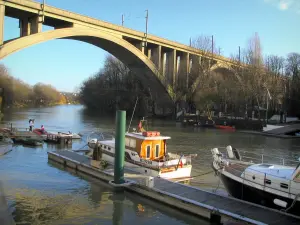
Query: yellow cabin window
[[157, 151], [148, 151]]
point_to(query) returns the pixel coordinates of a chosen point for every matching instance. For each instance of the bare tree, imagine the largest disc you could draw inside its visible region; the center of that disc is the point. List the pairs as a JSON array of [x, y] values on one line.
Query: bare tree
[[293, 72]]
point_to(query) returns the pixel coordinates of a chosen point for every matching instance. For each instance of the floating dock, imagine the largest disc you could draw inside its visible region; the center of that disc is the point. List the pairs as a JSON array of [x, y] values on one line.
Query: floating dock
[[59, 138], [285, 132], [214, 207]]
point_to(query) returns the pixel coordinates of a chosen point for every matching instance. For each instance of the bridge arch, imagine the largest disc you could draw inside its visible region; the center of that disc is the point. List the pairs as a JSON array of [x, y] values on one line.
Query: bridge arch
[[114, 44], [215, 67]]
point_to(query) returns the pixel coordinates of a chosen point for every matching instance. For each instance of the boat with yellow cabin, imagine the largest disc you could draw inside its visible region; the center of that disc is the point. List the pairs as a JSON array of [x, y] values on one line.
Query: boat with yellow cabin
[[146, 153]]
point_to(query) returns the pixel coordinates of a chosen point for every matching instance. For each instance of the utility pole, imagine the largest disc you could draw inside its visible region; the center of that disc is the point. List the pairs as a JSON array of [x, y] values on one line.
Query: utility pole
[[147, 16], [122, 19], [212, 45], [239, 54], [190, 42]]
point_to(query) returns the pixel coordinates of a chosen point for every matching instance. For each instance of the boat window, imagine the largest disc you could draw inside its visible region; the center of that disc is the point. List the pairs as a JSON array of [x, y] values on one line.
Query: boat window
[[127, 140], [148, 151], [157, 151], [265, 165], [283, 185], [130, 142], [267, 181], [108, 148], [127, 156]]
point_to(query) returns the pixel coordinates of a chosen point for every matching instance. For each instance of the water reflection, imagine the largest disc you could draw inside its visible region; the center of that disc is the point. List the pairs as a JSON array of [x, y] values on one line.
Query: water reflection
[[128, 208]]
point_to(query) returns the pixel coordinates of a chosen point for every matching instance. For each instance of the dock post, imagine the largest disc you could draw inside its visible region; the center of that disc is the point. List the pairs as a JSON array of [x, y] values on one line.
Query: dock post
[[119, 147]]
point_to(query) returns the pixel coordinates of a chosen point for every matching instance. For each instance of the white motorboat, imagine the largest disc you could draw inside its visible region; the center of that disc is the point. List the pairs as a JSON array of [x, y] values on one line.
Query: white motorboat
[[257, 180]]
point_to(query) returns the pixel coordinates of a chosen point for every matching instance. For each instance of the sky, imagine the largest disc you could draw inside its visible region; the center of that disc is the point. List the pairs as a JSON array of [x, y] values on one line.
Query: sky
[[65, 64]]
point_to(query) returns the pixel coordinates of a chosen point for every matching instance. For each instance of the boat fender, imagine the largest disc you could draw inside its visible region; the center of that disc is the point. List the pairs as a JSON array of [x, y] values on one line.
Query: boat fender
[[229, 152], [280, 203], [237, 154]]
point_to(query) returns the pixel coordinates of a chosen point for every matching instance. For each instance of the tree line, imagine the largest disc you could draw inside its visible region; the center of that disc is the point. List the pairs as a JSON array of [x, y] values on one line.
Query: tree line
[[266, 82], [17, 93], [255, 83], [113, 87]]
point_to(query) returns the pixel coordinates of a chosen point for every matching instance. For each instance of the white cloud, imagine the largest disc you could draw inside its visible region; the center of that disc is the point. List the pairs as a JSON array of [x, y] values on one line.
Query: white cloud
[[284, 5]]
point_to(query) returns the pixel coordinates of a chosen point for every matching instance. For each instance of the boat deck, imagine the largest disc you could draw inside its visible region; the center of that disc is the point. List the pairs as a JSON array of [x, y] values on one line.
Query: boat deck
[[236, 169], [184, 194]]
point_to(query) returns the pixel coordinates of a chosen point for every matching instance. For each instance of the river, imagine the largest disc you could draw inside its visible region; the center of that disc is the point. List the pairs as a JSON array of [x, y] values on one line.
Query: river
[[40, 192]]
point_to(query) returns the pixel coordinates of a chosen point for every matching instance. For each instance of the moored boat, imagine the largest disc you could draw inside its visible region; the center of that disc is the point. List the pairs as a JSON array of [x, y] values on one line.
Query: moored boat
[[43, 133], [225, 127], [146, 153], [5, 145], [273, 185]]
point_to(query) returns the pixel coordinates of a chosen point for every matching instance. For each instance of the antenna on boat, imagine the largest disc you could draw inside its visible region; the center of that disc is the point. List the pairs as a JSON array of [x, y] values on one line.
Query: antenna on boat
[[132, 113]]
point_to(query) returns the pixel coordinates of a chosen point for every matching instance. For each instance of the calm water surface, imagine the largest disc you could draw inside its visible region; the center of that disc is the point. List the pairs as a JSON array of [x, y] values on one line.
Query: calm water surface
[[39, 192]]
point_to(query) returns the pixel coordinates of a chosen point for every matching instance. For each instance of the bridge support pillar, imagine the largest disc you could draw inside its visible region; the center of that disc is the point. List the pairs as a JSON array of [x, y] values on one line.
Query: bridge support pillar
[[36, 24], [2, 15], [156, 57], [172, 66], [163, 62], [25, 27], [184, 66], [149, 53], [140, 46]]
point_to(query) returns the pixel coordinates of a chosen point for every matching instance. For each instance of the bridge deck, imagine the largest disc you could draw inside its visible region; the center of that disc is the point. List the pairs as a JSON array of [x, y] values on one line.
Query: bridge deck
[[184, 193]]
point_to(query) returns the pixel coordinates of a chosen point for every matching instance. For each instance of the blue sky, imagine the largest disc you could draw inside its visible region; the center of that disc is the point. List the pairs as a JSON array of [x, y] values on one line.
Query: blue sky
[[65, 63]]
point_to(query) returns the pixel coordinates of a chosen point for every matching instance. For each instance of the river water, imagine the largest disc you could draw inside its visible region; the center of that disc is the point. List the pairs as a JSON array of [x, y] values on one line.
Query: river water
[[40, 192]]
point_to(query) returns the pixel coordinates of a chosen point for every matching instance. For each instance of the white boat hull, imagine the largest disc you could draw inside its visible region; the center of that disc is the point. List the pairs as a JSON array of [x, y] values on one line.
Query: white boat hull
[[184, 172]]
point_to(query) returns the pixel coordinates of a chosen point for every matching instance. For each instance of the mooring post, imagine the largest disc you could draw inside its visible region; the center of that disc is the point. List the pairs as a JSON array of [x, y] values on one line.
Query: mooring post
[[120, 147]]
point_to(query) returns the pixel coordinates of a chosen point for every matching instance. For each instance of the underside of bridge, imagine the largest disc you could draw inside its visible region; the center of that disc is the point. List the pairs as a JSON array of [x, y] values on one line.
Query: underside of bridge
[[118, 47]]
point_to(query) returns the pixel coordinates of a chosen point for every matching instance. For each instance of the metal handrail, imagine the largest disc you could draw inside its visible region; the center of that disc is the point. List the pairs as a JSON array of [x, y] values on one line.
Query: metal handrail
[[264, 158]]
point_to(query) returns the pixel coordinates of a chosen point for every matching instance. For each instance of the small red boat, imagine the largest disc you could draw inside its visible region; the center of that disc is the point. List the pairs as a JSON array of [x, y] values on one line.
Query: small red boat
[[39, 132], [225, 127]]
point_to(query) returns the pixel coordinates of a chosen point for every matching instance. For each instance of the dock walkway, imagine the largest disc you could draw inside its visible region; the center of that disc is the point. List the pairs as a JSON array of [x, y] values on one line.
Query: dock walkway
[[183, 197]]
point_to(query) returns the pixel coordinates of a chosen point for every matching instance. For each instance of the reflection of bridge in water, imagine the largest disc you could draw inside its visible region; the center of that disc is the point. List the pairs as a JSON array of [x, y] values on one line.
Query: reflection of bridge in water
[[160, 63]]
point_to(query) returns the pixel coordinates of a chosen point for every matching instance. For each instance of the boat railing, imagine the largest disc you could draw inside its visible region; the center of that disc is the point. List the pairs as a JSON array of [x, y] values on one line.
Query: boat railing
[[254, 157], [187, 159], [268, 158]]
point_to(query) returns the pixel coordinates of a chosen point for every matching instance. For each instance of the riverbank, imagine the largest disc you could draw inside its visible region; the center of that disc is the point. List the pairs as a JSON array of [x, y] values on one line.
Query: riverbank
[[28, 105]]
